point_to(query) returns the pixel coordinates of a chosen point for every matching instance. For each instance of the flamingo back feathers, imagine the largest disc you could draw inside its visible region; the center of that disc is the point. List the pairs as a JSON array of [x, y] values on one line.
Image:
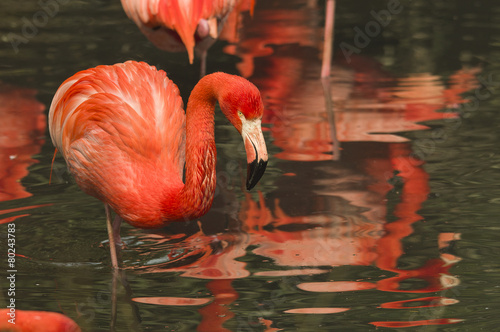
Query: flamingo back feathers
[[121, 129], [181, 16]]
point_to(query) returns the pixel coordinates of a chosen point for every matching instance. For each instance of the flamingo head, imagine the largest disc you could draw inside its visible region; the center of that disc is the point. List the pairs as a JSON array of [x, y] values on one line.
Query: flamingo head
[[242, 105]]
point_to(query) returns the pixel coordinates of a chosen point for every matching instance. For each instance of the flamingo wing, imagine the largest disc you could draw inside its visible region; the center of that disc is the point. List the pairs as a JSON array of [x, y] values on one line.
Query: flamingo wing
[[115, 123]]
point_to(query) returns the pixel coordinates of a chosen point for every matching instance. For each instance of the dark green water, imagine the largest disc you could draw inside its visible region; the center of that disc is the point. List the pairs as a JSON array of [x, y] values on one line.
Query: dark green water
[[399, 230]]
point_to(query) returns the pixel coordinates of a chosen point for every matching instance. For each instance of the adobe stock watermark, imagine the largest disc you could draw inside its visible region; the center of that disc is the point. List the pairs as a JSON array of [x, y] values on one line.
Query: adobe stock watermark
[[372, 29], [31, 25]]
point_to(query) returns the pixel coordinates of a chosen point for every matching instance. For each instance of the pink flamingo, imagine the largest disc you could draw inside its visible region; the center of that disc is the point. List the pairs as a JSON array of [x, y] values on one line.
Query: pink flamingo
[[177, 25], [40, 321], [125, 138]]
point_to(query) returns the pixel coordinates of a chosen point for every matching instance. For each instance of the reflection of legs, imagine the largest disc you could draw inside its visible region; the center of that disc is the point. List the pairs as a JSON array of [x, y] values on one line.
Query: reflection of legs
[[214, 315], [325, 81], [326, 72], [113, 235], [114, 295], [414, 192], [328, 45], [133, 320]]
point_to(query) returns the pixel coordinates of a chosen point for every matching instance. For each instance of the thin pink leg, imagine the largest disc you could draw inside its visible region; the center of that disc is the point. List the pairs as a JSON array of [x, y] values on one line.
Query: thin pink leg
[[328, 47], [203, 66], [113, 235]]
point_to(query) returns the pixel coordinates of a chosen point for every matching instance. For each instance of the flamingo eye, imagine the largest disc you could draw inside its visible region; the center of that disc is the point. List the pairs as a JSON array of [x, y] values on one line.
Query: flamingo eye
[[240, 114]]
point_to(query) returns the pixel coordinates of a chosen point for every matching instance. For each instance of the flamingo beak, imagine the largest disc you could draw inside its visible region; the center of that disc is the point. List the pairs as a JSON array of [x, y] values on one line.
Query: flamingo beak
[[255, 147]]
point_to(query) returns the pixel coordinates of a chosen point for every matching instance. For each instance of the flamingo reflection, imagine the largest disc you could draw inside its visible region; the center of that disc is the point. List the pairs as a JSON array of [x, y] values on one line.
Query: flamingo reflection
[[21, 137], [351, 228], [341, 217]]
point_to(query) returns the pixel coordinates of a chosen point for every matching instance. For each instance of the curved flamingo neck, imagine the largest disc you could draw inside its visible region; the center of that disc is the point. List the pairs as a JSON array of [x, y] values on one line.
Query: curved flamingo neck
[[201, 155]]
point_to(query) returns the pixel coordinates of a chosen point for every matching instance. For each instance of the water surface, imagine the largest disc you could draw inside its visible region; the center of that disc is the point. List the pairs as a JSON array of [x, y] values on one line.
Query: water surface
[[380, 215]]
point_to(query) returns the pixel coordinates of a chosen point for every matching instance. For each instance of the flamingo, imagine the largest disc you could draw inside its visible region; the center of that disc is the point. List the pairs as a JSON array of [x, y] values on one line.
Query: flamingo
[[127, 141], [40, 321], [177, 25]]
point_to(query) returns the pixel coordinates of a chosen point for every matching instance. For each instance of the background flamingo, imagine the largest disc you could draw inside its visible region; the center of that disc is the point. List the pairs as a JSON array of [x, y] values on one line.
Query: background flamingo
[[176, 25], [125, 137], [40, 321]]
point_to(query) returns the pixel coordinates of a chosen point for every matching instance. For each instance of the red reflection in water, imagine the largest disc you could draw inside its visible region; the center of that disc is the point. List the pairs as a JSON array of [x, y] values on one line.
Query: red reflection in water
[[299, 118], [21, 132], [7, 220], [316, 311], [267, 323], [340, 220], [369, 104], [441, 321], [197, 257], [336, 286], [426, 302], [218, 312], [272, 25], [230, 30], [340, 216], [359, 237], [283, 273], [169, 300], [21, 136], [11, 219], [343, 223]]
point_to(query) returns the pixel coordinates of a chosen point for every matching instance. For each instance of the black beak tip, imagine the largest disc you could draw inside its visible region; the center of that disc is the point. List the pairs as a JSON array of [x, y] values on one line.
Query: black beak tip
[[255, 170]]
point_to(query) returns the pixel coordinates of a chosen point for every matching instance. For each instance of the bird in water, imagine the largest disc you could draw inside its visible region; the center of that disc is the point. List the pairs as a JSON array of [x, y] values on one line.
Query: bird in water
[[178, 25], [128, 142]]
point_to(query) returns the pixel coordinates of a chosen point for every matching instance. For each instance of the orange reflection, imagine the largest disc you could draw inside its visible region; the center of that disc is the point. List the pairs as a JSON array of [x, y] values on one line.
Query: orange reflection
[[284, 273], [197, 256], [328, 214], [342, 221], [267, 323], [345, 235], [300, 121], [336, 286], [316, 311], [369, 105], [11, 219], [273, 24], [218, 312], [6, 220], [441, 321], [425, 302], [21, 137], [175, 301]]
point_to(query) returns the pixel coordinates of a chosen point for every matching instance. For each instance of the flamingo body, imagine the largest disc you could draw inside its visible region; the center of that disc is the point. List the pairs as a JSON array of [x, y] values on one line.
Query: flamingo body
[[122, 132], [175, 25], [103, 121]]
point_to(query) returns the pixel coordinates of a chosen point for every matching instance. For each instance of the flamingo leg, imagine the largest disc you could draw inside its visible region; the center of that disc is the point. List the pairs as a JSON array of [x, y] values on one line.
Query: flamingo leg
[[117, 223], [113, 235], [203, 66], [328, 46]]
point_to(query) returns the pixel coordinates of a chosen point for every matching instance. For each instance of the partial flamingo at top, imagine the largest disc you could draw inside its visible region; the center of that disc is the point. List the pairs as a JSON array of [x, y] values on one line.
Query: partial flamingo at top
[[177, 25]]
